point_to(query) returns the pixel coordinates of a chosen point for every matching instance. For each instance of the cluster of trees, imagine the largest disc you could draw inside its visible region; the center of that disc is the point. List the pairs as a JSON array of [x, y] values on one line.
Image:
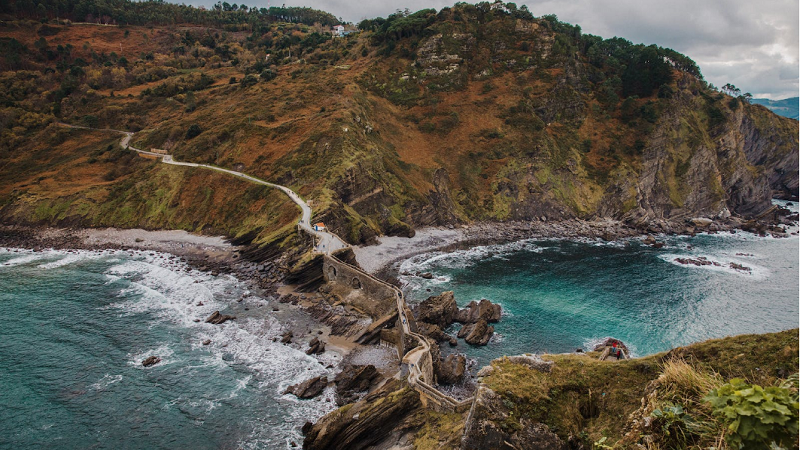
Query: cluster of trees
[[159, 12], [404, 24]]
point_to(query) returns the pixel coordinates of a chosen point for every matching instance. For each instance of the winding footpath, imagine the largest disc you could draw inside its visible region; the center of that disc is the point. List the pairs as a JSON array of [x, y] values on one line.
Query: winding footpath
[[328, 243]]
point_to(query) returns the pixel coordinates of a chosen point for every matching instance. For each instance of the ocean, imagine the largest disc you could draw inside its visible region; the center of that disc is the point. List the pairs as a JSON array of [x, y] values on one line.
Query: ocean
[[561, 295], [77, 326]]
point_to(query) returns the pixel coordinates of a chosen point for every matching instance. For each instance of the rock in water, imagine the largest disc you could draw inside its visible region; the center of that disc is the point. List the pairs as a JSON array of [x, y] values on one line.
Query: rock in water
[[286, 337], [217, 318], [151, 361], [477, 333], [440, 310], [476, 311], [309, 388], [315, 347], [452, 369]]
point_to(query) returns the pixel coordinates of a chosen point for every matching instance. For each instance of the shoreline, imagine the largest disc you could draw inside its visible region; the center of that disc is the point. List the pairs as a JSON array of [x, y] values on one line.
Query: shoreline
[[379, 259]]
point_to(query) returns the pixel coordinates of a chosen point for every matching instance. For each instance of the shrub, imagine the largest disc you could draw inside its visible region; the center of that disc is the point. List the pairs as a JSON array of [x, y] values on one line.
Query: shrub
[[193, 131], [756, 417], [248, 80], [268, 74]]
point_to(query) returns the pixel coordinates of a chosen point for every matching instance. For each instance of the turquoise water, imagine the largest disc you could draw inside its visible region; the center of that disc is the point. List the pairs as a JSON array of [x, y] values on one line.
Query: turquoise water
[[77, 326], [560, 295]]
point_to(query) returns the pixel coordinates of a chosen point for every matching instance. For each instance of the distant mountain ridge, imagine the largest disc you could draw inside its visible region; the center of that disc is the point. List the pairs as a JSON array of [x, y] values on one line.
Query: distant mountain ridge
[[788, 107]]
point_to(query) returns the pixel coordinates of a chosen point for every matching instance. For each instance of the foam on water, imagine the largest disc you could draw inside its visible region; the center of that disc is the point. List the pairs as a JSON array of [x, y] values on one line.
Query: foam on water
[[158, 292]]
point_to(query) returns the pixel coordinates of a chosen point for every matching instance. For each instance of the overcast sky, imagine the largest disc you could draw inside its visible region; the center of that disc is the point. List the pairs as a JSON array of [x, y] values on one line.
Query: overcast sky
[[749, 43]]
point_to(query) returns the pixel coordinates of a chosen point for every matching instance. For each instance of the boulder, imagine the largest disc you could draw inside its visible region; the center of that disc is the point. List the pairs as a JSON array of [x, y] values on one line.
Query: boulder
[[315, 347], [432, 331], [701, 221], [286, 337], [483, 310], [427, 276], [452, 369], [217, 318], [151, 361], [353, 380], [477, 333], [309, 388], [440, 310]]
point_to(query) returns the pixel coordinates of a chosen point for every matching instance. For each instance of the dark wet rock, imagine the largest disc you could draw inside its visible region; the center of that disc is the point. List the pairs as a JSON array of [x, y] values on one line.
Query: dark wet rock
[[440, 309], [452, 369], [151, 361], [477, 333], [217, 318], [315, 347], [699, 261], [432, 331], [309, 388], [354, 380], [207, 342], [306, 428], [483, 310], [427, 276], [286, 338], [740, 267]]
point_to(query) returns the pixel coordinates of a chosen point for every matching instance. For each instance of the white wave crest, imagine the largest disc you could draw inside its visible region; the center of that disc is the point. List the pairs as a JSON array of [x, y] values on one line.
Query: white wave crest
[[718, 263]]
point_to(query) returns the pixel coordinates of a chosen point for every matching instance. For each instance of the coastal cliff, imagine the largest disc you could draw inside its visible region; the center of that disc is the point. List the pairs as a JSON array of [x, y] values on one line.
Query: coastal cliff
[[575, 401]]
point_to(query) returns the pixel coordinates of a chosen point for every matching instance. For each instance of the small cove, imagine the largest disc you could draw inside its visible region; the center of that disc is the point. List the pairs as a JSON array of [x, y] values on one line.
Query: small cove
[[560, 295]]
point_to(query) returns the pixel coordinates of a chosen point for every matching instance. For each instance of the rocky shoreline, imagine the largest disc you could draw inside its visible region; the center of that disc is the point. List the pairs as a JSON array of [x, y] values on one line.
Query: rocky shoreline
[[382, 259]]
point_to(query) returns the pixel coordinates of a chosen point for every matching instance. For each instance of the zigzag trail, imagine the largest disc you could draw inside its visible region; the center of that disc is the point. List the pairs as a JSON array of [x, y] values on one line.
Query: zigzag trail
[[327, 243]]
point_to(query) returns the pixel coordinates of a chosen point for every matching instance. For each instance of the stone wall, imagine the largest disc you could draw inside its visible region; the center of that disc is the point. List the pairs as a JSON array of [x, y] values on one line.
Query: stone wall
[[378, 299]]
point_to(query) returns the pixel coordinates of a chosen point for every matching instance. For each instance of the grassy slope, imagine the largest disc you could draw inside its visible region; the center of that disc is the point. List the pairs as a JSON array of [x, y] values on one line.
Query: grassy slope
[[81, 177], [594, 399]]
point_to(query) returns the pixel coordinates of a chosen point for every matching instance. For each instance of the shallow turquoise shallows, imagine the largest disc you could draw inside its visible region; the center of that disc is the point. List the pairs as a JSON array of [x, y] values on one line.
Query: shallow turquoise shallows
[[560, 295], [77, 326]]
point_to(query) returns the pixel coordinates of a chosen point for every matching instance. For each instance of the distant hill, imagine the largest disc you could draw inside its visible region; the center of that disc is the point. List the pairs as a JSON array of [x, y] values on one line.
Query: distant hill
[[788, 107]]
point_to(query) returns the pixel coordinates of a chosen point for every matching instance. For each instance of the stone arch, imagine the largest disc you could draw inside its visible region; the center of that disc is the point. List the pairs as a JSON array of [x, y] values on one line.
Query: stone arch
[[332, 272], [355, 283]]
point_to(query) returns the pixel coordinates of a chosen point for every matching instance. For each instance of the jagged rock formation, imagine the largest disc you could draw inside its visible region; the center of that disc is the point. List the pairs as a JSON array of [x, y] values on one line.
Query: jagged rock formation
[[452, 369], [216, 318], [477, 333], [354, 380], [475, 311], [440, 310], [381, 417], [309, 388]]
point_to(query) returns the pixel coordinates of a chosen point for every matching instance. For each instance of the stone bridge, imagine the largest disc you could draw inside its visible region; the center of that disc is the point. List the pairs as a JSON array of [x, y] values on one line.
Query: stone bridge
[[418, 359]]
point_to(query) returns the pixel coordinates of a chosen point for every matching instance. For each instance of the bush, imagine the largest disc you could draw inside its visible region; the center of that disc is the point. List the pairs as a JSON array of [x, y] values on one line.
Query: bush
[[248, 80], [193, 131], [756, 417], [268, 75]]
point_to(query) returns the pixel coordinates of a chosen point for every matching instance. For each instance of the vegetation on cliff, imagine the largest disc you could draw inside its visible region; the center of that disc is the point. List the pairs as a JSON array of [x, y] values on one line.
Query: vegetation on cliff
[[736, 392], [720, 393], [474, 112]]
